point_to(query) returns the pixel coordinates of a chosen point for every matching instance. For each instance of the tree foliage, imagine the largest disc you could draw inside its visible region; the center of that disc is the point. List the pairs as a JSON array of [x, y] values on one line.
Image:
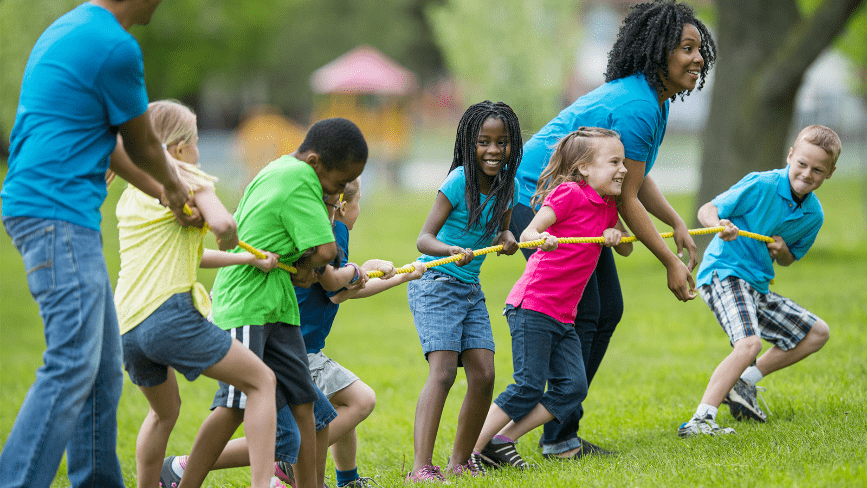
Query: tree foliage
[[516, 51]]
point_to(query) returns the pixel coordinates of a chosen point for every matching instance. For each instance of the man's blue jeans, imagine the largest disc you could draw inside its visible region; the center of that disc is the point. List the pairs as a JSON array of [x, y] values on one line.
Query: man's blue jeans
[[72, 405]]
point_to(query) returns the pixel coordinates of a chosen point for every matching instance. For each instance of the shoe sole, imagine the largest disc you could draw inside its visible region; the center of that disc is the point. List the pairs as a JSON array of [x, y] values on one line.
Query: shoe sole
[[741, 409]]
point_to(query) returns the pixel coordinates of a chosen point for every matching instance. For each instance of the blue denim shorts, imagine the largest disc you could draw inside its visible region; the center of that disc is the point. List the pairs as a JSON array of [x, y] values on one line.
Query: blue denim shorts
[[176, 335], [449, 315], [288, 435]]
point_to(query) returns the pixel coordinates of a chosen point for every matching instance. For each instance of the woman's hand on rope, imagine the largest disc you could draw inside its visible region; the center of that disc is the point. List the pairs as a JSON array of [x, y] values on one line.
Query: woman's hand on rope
[[265, 265], [467, 257], [612, 237], [683, 239], [550, 243], [509, 243], [386, 267], [730, 232]]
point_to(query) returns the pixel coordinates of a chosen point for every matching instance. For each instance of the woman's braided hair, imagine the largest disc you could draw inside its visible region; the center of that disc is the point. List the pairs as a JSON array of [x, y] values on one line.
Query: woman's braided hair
[[646, 39]]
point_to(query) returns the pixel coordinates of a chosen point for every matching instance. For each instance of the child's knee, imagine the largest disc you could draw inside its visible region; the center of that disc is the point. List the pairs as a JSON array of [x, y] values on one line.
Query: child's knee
[[820, 333], [444, 377], [481, 377], [748, 346], [366, 400]]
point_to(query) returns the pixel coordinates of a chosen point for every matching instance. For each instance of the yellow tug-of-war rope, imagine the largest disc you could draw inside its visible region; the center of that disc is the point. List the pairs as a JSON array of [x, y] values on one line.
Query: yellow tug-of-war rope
[[564, 240]]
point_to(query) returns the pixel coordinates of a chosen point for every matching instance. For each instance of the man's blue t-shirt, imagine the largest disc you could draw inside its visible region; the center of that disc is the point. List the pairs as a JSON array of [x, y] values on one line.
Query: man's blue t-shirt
[[762, 203], [452, 232], [628, 105], [85, 76], [314, 303]]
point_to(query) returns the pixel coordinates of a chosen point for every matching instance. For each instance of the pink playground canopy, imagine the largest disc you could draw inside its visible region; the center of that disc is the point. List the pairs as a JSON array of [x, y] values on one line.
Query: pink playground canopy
[[363, 70]]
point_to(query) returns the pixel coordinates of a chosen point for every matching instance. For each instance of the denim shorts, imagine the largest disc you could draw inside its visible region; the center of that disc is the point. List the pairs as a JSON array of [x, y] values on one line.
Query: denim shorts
[[288, 435], [449, 315], [176, 335], [328, 374]]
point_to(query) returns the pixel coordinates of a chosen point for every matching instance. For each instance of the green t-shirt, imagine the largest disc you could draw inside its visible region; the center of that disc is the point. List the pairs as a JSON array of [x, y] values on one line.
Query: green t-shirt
[[282, 211]]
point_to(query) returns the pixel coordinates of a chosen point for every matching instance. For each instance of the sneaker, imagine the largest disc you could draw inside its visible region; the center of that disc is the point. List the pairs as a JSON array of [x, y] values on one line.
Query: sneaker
[[476, 465], [284, 472], [168, 477], [360, 482], [505, 454], [278, 483], [469, 469], [697, 426], [427, 474], [743, 404], [587, 449]]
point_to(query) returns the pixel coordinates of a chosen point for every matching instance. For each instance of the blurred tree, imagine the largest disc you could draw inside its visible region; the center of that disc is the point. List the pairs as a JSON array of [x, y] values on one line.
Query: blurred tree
[[852, 44], [763, 50], [516, 51]]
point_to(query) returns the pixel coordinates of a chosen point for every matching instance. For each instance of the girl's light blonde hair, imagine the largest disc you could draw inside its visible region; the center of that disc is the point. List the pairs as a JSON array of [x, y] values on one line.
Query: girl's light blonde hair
[[573, 152], [350, 192], [173, 121]]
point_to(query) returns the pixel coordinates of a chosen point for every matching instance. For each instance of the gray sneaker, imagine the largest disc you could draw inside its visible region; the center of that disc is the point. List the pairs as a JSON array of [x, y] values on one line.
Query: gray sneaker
[[697, 426], [743, 403], [283, 471], [168, 478]]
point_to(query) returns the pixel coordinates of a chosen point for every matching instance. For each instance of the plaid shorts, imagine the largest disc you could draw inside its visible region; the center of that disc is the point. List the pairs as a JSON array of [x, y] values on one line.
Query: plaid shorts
[[743, 312]]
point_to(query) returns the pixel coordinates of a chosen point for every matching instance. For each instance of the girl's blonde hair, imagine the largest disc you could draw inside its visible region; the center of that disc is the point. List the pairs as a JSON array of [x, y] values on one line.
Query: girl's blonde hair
[[350, 192], [173, 121], [572, 153]]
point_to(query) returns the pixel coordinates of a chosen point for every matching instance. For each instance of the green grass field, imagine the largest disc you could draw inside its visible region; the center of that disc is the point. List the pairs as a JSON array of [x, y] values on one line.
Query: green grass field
[[651, 380]]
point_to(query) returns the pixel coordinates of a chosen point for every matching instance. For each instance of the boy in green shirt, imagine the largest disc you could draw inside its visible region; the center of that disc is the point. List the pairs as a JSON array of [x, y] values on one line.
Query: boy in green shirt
[[282, 211]]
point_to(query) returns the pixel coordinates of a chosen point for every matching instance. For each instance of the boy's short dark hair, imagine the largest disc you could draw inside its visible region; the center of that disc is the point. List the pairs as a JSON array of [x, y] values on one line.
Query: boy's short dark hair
[[337, 141]]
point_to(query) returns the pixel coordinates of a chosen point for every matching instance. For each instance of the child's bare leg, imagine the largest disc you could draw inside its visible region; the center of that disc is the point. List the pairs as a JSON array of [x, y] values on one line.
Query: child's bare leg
[[353, 404], [243, 369], [150, 446], [538, 416], [775, 358], [479, 368], [236, 454], [344, 451], [429, 410], [306, 469], [494, 423], [729, 370], [213, 435], [321, 455]]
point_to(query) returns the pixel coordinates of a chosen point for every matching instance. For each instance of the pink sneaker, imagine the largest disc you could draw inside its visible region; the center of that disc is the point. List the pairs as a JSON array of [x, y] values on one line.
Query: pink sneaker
[[473, 467], [427, 474], [284, 472]]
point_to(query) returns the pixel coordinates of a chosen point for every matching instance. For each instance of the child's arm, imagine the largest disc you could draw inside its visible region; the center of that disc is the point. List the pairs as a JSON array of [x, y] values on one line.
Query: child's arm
[[708, 215], [334, 279], [543, 219], [779, 251], [219, 219], [212, 258], [505, 236], [625, 248], [428, 243], [378, 285]]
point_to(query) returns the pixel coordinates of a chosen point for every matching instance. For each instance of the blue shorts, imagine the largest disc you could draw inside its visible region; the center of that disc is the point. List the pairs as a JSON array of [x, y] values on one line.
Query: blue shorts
[[288, 435], [176, 335], [449, 315]]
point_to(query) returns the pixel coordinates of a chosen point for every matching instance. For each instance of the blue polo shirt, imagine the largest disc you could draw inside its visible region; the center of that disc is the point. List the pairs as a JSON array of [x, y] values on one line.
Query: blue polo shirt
[[84, 77], [452, 232], [628, 105], [314, 303], [762, 203]]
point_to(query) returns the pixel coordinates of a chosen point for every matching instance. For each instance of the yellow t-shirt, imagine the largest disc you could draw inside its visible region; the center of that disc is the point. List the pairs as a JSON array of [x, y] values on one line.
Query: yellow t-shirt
[[158, 257]]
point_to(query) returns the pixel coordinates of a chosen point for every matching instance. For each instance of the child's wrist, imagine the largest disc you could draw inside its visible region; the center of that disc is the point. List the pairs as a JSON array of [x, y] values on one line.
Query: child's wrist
[[358, 272]]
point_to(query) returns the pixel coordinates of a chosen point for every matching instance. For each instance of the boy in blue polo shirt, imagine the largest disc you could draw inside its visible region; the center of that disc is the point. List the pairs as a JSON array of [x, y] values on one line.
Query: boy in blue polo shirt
[[734, 275]]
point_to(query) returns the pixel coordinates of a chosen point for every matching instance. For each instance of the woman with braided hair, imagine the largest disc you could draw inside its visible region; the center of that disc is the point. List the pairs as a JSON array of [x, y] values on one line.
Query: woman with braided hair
[[662, 52]]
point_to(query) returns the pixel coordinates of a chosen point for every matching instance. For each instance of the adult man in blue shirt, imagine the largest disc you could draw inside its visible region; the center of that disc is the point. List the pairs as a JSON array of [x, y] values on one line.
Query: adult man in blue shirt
[[83, 84]]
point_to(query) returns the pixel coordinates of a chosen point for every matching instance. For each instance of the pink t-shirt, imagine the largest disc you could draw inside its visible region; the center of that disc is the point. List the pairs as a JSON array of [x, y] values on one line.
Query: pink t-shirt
[[554, 281]]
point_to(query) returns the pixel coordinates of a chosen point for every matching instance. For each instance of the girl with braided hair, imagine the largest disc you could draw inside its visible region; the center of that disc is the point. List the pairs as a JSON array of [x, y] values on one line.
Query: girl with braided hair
[[662, 53], [472, 209]]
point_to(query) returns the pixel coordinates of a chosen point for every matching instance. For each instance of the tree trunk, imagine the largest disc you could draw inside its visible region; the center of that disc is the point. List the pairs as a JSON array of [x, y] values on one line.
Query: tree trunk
[[763, 50]]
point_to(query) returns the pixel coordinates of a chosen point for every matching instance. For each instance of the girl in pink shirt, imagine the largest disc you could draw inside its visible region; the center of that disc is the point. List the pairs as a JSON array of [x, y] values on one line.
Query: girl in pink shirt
[[577, 191]]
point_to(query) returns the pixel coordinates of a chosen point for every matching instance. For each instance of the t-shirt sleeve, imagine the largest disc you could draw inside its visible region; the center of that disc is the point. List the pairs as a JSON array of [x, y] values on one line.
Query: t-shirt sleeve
[[563, 199], [122, 83], [636, 123], [742, 197], [304, 216], [454, 187]]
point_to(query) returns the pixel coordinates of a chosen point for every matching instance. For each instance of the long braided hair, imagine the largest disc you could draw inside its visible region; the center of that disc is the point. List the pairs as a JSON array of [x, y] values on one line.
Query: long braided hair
[[573, 152], [647, 37], [503, 185]]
